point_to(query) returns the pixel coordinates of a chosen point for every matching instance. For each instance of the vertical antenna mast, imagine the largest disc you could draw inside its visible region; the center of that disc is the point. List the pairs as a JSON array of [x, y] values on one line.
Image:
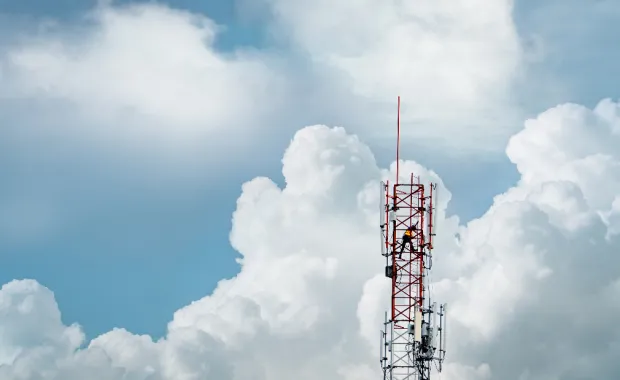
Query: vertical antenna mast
[[398, 140], [413, 338]]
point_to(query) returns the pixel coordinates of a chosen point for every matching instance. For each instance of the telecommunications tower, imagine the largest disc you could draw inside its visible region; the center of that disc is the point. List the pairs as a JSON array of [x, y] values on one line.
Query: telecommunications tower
[[413, 339]]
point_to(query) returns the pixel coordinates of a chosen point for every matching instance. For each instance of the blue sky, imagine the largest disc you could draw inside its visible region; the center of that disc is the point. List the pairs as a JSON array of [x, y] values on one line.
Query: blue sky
[[240, 29], [578, 43], [131, 258]]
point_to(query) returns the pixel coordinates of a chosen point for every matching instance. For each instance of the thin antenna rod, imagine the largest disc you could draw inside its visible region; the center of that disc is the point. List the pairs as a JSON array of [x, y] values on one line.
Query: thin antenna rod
[[397, 140]]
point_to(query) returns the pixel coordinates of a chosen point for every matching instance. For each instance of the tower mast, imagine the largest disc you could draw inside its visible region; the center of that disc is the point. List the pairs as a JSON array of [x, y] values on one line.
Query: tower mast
[[414, 332]]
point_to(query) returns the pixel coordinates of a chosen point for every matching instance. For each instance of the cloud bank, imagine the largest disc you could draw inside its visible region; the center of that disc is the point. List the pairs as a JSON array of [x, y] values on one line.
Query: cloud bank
[[143, 81], [138, 97], [465, 57], [521, 279], [151, 76]]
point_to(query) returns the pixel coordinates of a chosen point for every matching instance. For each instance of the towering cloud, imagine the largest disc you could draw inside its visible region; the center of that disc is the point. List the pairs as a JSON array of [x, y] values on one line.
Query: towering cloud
[[533, 283]]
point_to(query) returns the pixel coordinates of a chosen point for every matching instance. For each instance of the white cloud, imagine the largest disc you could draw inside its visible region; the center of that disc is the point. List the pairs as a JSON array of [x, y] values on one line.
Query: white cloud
[[532, 297], [454, 62], [135, 76], [148, 77], [127, 99]]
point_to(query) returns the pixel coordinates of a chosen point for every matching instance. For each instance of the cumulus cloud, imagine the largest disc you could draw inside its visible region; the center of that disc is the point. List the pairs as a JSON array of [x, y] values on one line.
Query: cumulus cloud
[[532, 284], [138, 76], [547, 244], [133, 97], [148, 77], [461, 56]]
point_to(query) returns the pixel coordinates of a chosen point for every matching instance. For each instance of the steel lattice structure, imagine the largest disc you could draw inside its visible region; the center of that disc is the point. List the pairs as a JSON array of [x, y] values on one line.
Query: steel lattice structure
[[413, 337]]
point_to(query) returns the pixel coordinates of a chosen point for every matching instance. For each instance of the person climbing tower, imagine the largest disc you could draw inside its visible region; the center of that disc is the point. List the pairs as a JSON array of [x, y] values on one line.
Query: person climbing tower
[[407, 238]]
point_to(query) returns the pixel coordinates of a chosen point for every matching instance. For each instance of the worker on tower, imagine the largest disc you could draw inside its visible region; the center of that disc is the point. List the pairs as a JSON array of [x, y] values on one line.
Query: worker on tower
[[407, 239]]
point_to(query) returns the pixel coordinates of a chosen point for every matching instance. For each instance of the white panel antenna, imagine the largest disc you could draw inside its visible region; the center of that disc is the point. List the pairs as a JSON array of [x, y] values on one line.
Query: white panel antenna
[[433, 325], [384, 230], [417, 320]]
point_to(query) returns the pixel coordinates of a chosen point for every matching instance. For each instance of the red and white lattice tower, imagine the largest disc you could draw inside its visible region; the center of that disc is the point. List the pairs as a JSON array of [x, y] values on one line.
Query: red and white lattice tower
[[413, 338]]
